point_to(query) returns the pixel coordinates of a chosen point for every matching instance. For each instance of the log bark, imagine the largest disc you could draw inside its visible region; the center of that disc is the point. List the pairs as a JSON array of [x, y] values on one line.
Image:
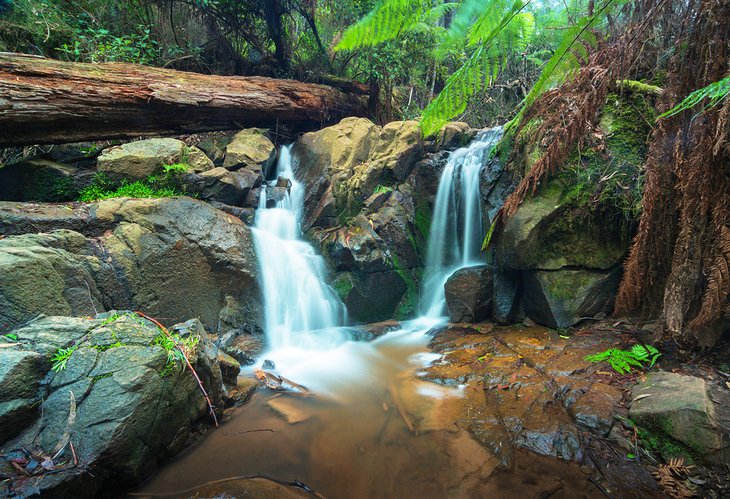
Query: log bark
[[45, 101]]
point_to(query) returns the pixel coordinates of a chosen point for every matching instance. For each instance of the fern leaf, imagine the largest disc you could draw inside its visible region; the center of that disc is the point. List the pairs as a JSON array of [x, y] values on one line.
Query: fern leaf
[[385, 22], [714, 92]]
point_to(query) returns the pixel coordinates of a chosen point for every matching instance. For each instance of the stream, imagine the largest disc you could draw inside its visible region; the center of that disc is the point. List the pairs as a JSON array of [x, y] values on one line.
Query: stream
[[370, 427]]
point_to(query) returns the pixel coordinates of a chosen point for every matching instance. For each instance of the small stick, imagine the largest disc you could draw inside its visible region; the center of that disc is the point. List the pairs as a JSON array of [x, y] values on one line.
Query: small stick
[[187, 361], [73, 453]]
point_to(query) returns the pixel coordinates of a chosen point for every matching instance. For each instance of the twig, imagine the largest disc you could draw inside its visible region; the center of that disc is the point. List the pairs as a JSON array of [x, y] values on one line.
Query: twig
[[73, 453], [187, 361]]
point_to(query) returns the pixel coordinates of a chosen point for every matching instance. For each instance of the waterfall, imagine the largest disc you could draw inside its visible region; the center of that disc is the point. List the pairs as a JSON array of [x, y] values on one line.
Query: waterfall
[[457, 230], [300, 309]]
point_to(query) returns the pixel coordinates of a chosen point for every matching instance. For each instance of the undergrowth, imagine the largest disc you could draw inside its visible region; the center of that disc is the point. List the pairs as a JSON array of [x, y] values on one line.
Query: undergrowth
[[154, 186], [175, 356], [622, 361]]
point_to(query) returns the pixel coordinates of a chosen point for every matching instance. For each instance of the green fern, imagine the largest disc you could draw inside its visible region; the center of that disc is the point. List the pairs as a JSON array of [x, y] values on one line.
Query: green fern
[[386, 21], [714, 93], [622, 361]]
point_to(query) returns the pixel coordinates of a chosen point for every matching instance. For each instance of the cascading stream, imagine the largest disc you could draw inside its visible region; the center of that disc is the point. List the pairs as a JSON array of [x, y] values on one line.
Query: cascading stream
[[304, 316], [301, 310], [457, 230]]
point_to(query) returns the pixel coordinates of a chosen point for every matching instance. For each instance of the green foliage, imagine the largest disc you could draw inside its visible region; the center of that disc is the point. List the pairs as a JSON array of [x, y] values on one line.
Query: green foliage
[[175, 168], [10, 337], [714, 93], [59, 360], [153, 187], [623, 360], [100, 45], [381, 189], [170, 343]]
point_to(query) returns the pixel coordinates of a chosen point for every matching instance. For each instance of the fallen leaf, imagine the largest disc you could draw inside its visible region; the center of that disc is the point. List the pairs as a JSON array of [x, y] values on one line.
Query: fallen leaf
[[643, 396]]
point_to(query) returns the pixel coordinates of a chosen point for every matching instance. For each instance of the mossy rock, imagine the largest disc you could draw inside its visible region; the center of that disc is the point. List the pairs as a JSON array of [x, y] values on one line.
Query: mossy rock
[[41, 180]]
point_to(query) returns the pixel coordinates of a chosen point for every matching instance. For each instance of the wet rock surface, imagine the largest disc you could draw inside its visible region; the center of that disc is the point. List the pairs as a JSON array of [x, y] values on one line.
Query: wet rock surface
[[117, 407], [526, 388], [469, 294], [171, 257]]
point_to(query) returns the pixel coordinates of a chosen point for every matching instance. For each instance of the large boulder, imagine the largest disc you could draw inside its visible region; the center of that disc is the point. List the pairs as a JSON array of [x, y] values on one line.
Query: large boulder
[[469, 294], [250, 149], [342, 165], [140, 159], [122, 399], [546, 234], [171, 258], [561, 298], [685, 409]]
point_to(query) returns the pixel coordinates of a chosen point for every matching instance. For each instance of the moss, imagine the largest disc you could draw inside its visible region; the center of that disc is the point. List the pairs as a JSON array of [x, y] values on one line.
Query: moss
[[659, 443], [639, 87], [564, 285], [423, 217], [342, 285], [409, 303], [98, 377], [609, 173], [51, 186]]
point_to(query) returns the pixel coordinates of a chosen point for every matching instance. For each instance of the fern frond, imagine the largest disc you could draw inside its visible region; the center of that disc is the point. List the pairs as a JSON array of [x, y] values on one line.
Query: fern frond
[[385, 22], [714, 92], [622, 361], [451, 101]]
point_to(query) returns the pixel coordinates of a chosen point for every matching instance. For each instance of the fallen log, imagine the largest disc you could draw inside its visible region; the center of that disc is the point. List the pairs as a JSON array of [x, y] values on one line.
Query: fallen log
[[45, 101]]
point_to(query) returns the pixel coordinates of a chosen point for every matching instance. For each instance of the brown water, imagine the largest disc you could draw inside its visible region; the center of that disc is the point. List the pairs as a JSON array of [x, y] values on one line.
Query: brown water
[[385, 435]]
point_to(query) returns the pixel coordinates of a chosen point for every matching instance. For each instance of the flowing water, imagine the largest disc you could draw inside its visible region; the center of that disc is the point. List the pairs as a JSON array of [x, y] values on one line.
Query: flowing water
[[371, 428], [457, 230]]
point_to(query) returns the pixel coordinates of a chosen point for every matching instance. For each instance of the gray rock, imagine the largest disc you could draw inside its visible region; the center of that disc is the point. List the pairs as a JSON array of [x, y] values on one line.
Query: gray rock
[[171, 257], [686, 409], [131, 408], [137, 160], [227, 187], [197, 160], [544, 234], [469, 294], [561, 298], [507, 288], [250, 149]]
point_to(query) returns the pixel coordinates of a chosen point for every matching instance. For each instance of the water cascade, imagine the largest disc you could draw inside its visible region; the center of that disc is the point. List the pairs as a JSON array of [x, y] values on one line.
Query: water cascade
[[457, 230], [301, 310]]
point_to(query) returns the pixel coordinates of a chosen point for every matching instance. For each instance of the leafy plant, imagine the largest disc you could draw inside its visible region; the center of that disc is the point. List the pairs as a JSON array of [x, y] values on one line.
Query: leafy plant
[[138, 189], [622, 361], [175, 168], [714, 92], [381, 189], [59, 360], [10, 337], [175, 357]]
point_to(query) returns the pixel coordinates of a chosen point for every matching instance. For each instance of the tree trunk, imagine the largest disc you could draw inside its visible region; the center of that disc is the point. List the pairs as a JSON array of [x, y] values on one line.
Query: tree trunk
[[44, 101]]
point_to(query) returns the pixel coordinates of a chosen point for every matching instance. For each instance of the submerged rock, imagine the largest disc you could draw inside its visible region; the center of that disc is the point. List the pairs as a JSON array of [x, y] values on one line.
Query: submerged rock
[[469, 294]]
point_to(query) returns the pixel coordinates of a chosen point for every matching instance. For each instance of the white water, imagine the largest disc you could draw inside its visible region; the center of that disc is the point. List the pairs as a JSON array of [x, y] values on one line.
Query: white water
[[297, 299], [457, 231], [303, 314]]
